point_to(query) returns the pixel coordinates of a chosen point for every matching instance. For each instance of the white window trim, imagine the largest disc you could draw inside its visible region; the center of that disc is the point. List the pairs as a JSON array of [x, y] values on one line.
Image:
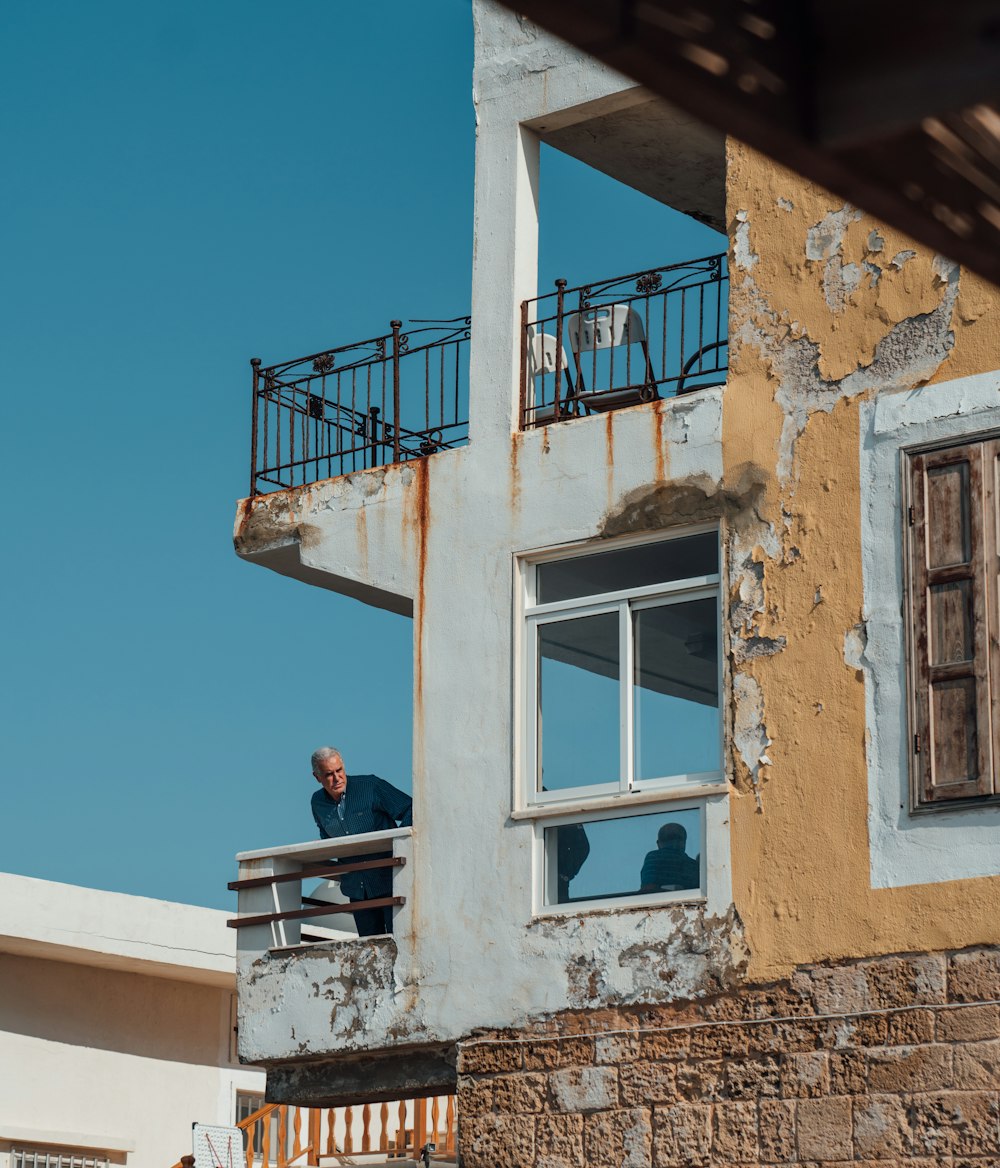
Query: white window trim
[[715, 893], [926, 846], [530, 616], [708, 791]]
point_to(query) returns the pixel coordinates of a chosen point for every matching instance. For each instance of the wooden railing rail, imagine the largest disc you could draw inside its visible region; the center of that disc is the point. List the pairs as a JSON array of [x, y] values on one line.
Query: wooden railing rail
[[281, 887], [275, 1133], [330, 871], [301, 914]]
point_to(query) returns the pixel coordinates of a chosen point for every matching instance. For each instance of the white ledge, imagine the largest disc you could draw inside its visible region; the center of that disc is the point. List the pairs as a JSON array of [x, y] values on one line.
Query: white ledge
[[61, 1139], [562, 808], [350, 845]]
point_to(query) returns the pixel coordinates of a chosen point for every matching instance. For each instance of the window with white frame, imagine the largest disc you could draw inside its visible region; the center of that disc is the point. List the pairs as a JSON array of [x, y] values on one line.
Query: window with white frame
[[622, 686]]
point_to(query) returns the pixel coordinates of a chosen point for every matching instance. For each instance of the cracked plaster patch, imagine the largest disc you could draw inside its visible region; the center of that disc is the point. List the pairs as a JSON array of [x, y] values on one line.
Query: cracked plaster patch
[[743, 254], [909, 354]]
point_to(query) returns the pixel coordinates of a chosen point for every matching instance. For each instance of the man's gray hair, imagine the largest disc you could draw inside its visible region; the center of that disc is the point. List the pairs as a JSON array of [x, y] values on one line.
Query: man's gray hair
[[322, 754]]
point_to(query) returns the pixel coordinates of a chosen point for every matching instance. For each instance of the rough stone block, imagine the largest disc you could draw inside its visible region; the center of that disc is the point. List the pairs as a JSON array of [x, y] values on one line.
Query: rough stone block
[[682, 1135], [865, 1030], [496, 1141], [907, 981], [955, 1123], [977, 1066], [805, 1076], [504, 1094], [968, 1024], [881, 1127], [612, 1049], [848, 1072], [785, 1037], [824, 1129], [753, 1078], [564, 1052], [559, 1139], [719, 1042], [669, 1044], [490, 1060], [701, 1081], [910, 1068], [910, 1027], [618, 1139], [974, 976], [585, 1088], [777, 1131], [734, 1133], [642, 1084], [834, 989]]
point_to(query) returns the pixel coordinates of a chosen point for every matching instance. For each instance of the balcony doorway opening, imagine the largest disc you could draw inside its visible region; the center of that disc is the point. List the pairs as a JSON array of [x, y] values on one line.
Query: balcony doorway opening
[[632, 301]]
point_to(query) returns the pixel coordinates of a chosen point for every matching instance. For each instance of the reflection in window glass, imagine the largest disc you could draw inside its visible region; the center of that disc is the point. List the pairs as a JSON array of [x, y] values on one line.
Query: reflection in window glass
[[677, 729], [633, 567], [608, 858], [578, 675]]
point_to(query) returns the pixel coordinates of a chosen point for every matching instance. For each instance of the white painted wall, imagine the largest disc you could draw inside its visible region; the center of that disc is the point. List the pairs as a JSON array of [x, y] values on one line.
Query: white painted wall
[[470, 953], [115, 1022]]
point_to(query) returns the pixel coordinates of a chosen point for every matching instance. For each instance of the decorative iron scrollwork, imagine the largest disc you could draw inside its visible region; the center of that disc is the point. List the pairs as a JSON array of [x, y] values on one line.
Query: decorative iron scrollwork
[[648, 282], [315, 407], [404, 343], [324, 363], [380, 349], [431, 443], [647, 392]]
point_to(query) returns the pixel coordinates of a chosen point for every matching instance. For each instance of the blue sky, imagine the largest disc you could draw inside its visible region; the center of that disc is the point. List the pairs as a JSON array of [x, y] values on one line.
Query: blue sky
[[187, 186]]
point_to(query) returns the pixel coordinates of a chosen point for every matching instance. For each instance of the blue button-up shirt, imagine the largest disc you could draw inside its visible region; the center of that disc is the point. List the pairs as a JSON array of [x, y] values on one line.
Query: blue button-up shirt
[[368, 804]]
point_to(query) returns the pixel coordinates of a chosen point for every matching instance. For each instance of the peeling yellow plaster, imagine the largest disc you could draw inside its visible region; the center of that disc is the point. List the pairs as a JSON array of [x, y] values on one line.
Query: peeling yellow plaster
[[808, 344]]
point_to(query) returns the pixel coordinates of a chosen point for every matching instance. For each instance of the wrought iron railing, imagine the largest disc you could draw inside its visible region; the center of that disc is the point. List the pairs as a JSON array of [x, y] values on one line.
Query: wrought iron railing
[[652, 334], [400, 396]]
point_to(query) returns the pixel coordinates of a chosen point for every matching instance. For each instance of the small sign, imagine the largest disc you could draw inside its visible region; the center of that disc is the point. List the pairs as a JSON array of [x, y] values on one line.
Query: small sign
[[217, 1147]]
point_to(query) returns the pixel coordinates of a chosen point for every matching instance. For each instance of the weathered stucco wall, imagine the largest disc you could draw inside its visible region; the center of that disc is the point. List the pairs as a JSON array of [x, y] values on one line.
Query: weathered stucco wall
[[828, 308]]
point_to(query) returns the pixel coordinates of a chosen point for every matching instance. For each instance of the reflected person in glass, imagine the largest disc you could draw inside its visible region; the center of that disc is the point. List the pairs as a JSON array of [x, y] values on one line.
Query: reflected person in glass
[[352, 805], [669, 868]]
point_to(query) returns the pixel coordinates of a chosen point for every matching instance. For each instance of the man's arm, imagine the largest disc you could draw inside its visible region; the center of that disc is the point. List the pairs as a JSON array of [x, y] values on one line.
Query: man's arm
[[323, 833], [395, 803]]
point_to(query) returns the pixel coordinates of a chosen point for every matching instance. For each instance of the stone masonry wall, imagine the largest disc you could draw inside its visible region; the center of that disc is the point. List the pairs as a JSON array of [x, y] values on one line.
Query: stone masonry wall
[[888, 1061]]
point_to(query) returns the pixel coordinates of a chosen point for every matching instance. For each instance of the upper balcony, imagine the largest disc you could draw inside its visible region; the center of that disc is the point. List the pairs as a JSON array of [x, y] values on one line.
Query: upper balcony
[[606, 345], [614, 343]]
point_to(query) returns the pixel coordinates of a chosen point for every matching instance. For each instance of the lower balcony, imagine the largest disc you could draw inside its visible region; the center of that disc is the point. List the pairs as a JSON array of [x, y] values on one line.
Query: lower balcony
[[333, 1017], [392, 398]]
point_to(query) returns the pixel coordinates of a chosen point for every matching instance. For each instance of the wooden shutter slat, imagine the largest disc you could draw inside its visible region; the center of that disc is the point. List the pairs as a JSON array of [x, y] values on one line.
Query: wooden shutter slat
[[950, 625]]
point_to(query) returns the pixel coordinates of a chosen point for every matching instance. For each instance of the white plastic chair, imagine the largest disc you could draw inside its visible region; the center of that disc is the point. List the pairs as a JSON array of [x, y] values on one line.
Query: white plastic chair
[[546, 358], [610, 326]]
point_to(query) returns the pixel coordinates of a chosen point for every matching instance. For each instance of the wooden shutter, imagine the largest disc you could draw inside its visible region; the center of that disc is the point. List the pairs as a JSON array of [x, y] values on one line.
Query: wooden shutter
[[951, 493]]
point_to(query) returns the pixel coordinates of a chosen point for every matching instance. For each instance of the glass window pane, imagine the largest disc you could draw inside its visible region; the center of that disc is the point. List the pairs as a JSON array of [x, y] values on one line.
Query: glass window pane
[[633, 567], [677, 727], [607, 858], [578, 702]]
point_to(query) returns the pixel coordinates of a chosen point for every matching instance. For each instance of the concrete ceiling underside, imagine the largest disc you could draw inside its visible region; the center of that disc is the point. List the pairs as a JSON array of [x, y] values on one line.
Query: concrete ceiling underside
[[650, 146]]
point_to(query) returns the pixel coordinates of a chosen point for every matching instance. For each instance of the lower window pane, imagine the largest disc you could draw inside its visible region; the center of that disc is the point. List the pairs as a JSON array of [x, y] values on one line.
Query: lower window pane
[[608, 858]]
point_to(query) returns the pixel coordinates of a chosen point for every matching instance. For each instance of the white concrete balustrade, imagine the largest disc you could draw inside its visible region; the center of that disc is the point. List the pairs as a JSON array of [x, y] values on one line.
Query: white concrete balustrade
[[285, 869]]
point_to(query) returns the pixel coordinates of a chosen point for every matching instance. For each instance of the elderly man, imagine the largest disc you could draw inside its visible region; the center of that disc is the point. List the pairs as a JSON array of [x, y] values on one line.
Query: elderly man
[[352, 805], [670, 868]]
